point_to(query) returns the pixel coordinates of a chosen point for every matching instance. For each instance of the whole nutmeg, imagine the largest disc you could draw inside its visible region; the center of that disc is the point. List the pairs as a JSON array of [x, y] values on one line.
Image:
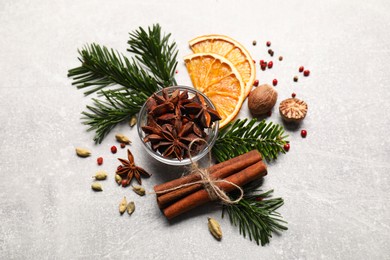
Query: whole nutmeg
[[293, 109], [262, 99]]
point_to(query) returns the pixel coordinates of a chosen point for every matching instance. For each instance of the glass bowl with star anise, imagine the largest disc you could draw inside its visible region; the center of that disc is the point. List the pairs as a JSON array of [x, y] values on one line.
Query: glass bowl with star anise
[[178, 124]]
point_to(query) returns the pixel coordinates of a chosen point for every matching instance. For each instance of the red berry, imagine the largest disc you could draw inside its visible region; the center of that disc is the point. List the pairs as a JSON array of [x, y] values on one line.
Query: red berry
[[261, 62], [268, 43], [303, 133], [100, 160], [123, 145], [306, 73], [259, 199], [256, 83], [124, 183], [286, 147], [301, 68], [270, 64], [176, 71], [113, 149], [275, 82], [293, 95], [119, 168], [263, 66]]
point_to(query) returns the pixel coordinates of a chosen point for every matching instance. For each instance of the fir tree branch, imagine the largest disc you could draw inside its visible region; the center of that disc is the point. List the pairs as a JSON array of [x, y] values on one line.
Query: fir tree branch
[[256, 216], [152, 68], [155, 52], [101, 67], [105, 114], [240, 137]]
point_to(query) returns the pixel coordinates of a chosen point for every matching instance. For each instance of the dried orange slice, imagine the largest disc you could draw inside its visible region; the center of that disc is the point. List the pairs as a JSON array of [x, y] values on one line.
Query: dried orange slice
[[231, 50], [219, 80]]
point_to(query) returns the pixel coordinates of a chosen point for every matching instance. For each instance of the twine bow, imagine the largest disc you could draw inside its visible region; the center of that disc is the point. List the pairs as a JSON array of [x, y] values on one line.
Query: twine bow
[[210, 184]]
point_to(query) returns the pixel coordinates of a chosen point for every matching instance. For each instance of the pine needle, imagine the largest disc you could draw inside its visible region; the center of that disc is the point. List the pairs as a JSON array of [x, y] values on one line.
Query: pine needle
[[256, 215], [130, 81], [242, 136]]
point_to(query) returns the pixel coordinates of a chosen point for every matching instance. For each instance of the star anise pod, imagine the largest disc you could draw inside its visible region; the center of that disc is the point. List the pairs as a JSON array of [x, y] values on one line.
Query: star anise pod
[[176, 139], [201, 111], [129, 170], [165, 103]]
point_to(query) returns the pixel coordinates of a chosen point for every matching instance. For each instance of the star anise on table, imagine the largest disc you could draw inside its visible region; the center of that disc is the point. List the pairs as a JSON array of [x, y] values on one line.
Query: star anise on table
[[129, 170], [201, 112]]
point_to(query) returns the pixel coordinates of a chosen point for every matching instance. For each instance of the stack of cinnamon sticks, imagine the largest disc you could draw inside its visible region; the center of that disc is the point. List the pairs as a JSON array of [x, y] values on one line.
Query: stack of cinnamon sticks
[[239, 170]]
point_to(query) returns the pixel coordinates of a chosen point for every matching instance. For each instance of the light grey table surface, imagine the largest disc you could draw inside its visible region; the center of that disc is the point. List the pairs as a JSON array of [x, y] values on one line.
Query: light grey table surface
[[335, 182]]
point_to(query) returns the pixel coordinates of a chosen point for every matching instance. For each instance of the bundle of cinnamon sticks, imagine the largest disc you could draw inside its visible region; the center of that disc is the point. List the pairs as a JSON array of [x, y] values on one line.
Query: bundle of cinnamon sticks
[[174, 199]]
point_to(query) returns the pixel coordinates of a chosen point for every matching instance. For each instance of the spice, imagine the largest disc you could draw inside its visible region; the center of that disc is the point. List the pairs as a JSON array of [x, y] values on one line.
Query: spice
[[254, 43], [293, 109], [118, 179], [175, 120], [280, 58], [201, 197], [114, 149], [82, 152], [133, 121], [256, 83], [295, 78], [262, 99], [301, 68], [286, 147], [217, 171], [100, 175], [129, 170], [215, 228], [306, 73], [96, 186], [99, 160], [270, 64], [275, 82], [293, 95], [268, 43], [123, 205], [239, 170], [122, 138], [271, 52], [123, 145], [130, 207], [139, 190], [303, 133]]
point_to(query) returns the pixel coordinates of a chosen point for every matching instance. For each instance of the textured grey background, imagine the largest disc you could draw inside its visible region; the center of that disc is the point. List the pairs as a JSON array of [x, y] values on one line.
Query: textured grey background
[[335, 182]]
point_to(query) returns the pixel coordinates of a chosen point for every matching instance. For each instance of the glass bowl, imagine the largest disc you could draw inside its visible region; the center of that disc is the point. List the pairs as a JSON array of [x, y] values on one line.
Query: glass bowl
[[211, 132]]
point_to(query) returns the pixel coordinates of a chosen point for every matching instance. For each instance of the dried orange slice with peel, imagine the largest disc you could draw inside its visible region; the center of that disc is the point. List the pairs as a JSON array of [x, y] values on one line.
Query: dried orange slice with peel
[[231, 50], [219, 80]]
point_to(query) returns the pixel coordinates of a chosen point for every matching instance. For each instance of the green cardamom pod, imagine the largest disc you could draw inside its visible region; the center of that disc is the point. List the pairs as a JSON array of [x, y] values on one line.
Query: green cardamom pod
[[130, 207], [122, 205], [100, 175], [122, 138], [82, 152], [133, 121], [215, 228], [118, 179], [139, 190], [96, 186]]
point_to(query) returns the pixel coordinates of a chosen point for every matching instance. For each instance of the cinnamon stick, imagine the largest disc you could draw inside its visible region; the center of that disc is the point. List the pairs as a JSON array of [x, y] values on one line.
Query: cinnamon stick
[[218, 173], [233, 165], [201, 197]]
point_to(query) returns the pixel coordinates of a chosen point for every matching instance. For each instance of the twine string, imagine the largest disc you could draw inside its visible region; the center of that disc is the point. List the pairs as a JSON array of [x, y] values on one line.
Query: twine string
[[209, 184]]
